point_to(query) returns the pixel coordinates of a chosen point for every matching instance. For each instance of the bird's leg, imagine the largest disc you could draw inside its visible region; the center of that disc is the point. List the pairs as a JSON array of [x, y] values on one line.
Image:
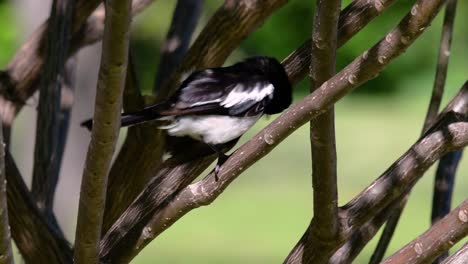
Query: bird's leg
[[221, 159]]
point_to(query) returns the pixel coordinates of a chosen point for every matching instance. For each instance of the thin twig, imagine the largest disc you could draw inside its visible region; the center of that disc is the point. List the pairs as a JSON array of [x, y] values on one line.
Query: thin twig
[[178, 37], [459, 257], [105, 130], [5, 236], [46, 152], [440, 237], [322, 129], [433, 109], [184, 166]]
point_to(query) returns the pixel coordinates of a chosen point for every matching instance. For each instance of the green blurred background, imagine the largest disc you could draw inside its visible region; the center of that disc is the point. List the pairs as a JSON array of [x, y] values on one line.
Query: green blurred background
[[263, 213]]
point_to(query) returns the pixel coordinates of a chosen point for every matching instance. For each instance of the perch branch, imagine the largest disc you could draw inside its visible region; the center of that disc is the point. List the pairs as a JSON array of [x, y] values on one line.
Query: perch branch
[[46, 153], [105, 130], [440, 237], [433, 109], [180, 169], [322, 128], [178, 37]]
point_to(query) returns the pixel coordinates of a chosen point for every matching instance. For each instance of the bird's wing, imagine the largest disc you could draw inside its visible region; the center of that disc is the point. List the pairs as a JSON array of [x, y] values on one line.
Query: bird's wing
[[222, 92]]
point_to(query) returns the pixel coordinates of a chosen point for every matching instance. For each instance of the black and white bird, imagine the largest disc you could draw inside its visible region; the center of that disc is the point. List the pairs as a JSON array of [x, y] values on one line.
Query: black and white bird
[[219, 105]]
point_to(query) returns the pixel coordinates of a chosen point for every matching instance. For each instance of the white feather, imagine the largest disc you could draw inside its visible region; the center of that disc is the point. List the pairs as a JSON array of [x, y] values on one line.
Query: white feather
[[239, 95], [211, 129], [206, 102]]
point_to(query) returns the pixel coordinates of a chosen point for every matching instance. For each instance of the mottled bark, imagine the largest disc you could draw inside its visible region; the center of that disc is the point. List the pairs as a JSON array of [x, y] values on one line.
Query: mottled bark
[[440, 237], [322, 130]]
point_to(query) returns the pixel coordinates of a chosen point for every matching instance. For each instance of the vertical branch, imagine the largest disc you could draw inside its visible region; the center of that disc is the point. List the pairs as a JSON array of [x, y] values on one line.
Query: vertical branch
[[446, 170], [184, 21], [442, 63], [105, 131], [322, 128], [47, 152], [5, 236], [66, 103], [434, 105]]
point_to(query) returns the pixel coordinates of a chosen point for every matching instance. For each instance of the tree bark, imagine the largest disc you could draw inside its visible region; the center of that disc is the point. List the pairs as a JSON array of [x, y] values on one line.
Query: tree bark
[[440, 237], [105, 130]]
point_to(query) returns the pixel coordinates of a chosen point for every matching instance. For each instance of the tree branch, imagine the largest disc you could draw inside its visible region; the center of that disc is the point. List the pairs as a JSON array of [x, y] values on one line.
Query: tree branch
[[352, 19], [46, 153], [459, 257], [440, 237], [157, 203], [105, 130], [361, 237], [322, 130], [432, 112], [36, 239], [442, 63], [178, 37], [5, 236], [179, 170], [446, 171]]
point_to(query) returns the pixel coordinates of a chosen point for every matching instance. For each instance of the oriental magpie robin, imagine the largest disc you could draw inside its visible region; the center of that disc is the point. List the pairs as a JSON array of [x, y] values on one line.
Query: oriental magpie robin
[[219, 105]]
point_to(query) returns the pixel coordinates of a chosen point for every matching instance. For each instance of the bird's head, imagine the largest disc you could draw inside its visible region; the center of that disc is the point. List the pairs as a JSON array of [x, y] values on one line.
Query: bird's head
[[276, 74]]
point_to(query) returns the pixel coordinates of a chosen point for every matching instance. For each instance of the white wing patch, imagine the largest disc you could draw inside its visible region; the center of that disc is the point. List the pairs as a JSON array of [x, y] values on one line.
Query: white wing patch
[[206, 102], [239, 95]]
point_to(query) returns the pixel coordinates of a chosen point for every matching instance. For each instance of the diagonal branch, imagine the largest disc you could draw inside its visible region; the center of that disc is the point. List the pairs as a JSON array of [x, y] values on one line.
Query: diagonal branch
[[434, 105], [185, 166], [361, 236], [5, 236], [178, 37], [105, 131], [46, 152], [459, 257], [36, 239], [322, 130], [440, 237], [352, 19]]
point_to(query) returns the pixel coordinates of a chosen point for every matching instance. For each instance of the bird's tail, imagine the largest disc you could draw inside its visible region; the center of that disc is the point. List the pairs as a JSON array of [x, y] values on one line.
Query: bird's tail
[[134, 118]]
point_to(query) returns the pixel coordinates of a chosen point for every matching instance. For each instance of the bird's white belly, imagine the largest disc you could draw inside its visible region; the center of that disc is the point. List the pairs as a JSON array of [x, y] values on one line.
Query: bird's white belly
[[212, 129]]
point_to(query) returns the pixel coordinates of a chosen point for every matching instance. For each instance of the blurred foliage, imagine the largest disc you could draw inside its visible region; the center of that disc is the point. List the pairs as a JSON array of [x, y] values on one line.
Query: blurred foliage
[[9, 33]]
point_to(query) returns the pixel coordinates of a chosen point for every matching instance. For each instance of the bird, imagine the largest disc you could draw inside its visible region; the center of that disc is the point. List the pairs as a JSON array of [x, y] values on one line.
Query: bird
[[218, 105]]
